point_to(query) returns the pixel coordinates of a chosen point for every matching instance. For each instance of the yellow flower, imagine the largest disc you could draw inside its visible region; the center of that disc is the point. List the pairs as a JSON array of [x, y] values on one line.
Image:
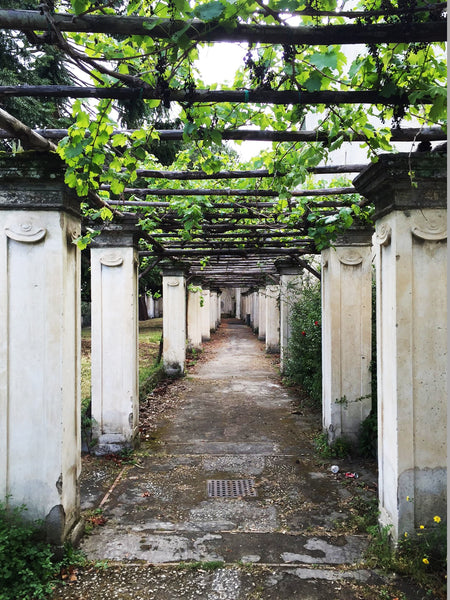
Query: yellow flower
[[407, 498], [406, 534], [437, 519], [425, 561], [422, 527]]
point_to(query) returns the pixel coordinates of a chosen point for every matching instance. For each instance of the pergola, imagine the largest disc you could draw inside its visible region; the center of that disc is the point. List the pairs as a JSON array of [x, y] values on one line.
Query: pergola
[[224, 228], [243, 229]]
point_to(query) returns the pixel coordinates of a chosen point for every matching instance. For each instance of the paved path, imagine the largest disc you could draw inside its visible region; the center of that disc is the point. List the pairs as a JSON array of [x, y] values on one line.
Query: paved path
[[167, 539]]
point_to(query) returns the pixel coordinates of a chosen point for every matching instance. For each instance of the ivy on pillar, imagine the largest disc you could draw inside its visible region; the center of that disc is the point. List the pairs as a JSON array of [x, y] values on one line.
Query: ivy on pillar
[[409, 194], [40, 351], [174, 319], [115, 365], [347, 333], [290, 290]]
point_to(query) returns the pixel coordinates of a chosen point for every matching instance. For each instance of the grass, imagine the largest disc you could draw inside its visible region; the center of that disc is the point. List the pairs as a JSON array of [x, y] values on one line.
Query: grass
[[150, 333]]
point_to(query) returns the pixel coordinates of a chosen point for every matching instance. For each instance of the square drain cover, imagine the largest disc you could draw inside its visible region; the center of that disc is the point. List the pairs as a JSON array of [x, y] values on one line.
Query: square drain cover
[[231, 488]]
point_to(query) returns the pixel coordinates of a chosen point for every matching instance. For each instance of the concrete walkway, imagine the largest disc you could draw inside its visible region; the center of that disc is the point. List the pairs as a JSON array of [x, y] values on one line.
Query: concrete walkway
[[166, 538]]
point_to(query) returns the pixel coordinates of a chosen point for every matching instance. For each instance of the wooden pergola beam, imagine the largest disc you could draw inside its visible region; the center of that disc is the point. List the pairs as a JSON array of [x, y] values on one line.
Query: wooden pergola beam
[[409, 134], [256, 174], [200, 96], [382, 33], [232, 192]]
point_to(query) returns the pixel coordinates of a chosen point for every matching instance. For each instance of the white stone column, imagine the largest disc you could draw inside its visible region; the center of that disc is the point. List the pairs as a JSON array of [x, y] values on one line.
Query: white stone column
[[219, 309], [290, 290], [194, 320], [40, 324], [238, 303], [347, 334], [114, 357], [174, 320], [411, 261], [272, 319], [262, 314], [205, 318], [150, 306], [213, 301], [255, 311]]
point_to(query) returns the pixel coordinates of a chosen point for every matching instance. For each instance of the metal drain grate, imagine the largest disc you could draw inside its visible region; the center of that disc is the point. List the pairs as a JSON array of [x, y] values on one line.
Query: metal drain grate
[[230, 488]]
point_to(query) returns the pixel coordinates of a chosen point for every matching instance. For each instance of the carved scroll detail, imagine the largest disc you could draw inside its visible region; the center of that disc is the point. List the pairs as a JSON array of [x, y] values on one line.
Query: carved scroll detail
[[26, 233], [111, 260], [384, 234], [350, 257], [434, 232], [173, 282]]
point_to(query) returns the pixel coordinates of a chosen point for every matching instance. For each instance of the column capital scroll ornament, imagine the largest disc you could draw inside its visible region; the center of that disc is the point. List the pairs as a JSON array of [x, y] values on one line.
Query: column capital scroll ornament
[[431, 229], [352, 258], [384, 234], [27, 233], [111, 260]]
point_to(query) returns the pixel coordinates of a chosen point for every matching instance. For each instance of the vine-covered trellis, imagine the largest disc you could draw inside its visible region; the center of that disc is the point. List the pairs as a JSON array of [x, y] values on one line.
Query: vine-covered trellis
[[135, 64]]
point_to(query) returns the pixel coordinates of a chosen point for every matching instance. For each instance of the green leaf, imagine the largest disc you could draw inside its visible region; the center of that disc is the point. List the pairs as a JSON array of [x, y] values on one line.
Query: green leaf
[[314, 82], [210, 11], [80, 6], [324, 60]]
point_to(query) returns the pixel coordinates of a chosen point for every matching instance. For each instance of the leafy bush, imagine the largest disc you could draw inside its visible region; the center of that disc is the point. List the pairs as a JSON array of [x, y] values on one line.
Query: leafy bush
[[304, 354], [340, 448], [26, 562]]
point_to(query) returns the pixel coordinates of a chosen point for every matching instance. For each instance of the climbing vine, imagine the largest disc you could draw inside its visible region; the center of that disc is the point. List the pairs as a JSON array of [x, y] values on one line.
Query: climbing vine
[[412, 74]]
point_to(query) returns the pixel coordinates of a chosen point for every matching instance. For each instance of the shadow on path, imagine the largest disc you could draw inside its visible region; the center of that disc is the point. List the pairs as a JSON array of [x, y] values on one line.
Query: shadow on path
[[166, 538]]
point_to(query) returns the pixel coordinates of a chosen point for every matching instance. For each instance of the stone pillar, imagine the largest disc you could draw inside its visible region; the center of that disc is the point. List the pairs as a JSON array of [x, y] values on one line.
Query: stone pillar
[[347, 334], [205, 318], [411, 258], [40, 324], [150, 306], [238, 303], [114, 358], [273, 319], [219, 309], [262, 314], [213, 301], [290, 290], [255, 311], [174, 319], [194, 320]]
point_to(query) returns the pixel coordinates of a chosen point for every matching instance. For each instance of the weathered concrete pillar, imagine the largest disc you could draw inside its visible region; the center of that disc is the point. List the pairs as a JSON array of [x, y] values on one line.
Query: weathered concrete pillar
[[40, 324], [174, 319], [219, 309], [290, 290], [238, 303], [205, 318], [273, 319], [194, 319], [255, 311], [150, 303], [347, 333], [213, 302], [262, 314], [409, 193], [114, 357]]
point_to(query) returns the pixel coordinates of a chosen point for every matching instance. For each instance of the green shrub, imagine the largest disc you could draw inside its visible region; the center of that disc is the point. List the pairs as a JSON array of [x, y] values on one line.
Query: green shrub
[[26, 562], [304, 353], [340, 448]]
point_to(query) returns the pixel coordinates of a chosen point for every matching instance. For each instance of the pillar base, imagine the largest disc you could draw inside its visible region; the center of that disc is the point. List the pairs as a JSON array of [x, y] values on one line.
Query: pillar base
[[114, 443]]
